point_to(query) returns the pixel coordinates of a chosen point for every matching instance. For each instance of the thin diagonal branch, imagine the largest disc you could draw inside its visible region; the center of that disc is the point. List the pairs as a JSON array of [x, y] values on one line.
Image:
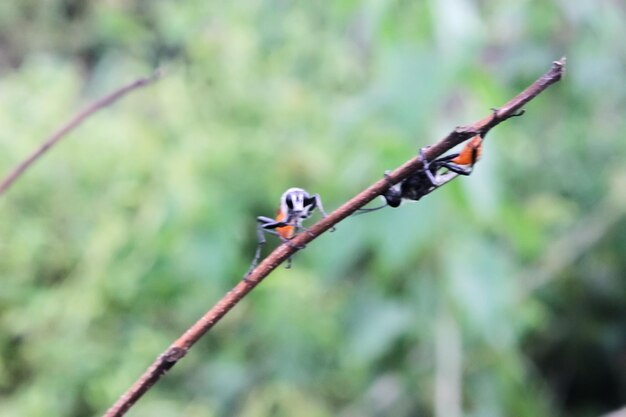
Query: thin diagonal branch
[[181, 346], [71, 125]]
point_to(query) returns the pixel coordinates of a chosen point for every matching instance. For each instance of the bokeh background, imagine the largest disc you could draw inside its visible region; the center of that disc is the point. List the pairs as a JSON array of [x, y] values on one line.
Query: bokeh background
[[502, 294]]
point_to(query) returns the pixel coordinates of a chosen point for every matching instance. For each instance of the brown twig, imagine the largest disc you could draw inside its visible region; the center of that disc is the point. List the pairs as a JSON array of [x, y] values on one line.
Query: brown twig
[[71, 125], [181, 346]]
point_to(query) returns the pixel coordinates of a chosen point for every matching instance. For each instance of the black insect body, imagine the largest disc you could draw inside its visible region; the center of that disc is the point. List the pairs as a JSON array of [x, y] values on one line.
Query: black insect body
[[413, 188], [429, 178]]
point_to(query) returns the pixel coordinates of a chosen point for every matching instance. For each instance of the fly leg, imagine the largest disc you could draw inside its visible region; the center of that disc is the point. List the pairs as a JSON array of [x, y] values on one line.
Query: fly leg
[[318, 203], [393, 196], [266, 224], [288, 243], [428, 170], [451, 166]]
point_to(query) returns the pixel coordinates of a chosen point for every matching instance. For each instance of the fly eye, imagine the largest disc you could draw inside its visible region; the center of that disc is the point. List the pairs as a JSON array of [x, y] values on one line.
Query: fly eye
[[289, 203]]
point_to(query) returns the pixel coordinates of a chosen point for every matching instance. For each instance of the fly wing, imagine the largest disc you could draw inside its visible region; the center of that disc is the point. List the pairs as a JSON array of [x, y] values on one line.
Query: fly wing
[[470, 152], [286, 232]]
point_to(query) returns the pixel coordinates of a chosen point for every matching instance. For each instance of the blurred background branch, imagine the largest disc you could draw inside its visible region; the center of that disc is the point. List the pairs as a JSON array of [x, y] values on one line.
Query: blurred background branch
[[71, 125]]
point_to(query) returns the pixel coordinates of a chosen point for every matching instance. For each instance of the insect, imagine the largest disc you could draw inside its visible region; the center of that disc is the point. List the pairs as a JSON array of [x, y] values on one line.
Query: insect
[[427, 179], [296, 205]]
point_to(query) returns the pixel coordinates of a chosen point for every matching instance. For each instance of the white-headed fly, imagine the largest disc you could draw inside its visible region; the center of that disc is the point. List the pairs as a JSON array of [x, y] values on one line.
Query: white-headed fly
[[296, 205]]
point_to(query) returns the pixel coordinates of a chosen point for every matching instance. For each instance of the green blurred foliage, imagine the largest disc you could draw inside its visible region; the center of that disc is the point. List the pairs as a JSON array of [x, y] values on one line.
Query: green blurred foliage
[[501, 294]]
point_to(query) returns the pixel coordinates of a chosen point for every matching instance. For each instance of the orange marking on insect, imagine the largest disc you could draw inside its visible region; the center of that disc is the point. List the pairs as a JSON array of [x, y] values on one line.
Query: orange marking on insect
[[471, 152], [286, 232]]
